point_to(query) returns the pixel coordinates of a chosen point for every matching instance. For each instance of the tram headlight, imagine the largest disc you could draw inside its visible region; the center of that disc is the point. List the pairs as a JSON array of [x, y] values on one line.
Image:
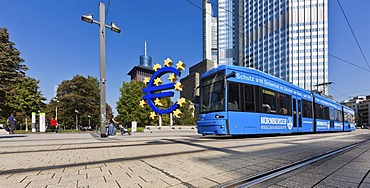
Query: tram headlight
[[217, 116]]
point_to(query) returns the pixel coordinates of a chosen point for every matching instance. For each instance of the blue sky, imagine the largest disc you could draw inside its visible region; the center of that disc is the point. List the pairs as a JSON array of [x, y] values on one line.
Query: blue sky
[[57, 45]]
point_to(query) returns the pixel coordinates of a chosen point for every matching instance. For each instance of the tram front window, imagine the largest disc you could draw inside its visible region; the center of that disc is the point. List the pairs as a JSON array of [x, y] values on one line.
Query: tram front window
[[212, 94]]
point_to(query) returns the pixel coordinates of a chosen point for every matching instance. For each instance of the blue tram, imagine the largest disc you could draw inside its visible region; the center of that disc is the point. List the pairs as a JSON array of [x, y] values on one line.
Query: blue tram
[[240, 101]]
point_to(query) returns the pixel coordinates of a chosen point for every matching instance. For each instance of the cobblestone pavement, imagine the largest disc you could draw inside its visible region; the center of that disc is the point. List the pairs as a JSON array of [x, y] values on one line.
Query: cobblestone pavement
[[171, 159]]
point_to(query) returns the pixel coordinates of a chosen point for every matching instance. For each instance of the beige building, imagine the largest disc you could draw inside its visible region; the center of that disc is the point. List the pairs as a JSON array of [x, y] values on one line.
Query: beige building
[[361, 105]]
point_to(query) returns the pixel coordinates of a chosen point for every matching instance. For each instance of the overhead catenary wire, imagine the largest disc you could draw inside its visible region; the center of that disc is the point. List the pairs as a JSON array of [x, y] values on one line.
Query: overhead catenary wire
[[106, 12], [358, 91], [353, 33], [339, 92], [349, 63]]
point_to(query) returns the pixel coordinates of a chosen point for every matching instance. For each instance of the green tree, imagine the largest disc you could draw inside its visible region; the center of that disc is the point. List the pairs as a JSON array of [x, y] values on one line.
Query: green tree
[[24, 98], [166, 103], [128, 104], [79, 94], [187, 117], [18, 93]]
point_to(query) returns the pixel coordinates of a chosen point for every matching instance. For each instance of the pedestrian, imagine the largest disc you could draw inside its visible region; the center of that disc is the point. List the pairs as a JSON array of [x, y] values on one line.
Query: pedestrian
[[111, 128], [12, 122], [53, 124]]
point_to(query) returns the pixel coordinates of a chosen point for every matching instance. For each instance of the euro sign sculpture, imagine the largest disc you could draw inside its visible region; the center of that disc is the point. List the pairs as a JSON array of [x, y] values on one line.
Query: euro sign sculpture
[[155, 90]]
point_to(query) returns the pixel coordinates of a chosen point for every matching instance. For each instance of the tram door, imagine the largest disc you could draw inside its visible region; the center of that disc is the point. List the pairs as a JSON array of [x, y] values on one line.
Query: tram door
[[297, 114]]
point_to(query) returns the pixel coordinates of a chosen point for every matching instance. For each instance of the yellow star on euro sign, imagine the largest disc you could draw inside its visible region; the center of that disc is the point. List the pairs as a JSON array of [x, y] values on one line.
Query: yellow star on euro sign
[[181, 101], [172, 77], [168, 62], [178, 86], [157, 81], [152, 115], [180, 66], [177, 113], [146, 80], [158, 102], [142, 103], [156, 67]]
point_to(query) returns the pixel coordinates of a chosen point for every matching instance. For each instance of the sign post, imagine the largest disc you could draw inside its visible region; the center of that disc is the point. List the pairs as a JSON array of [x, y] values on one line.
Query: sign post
[[33, 124]]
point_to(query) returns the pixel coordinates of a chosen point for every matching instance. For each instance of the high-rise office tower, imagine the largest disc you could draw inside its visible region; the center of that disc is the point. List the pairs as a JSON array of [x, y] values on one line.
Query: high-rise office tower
[[284, 38], [209, 32]]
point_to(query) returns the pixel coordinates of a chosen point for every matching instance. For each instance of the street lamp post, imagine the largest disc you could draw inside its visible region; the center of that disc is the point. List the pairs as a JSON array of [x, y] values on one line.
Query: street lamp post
[[89, 18], [56, 108], [76, 119]]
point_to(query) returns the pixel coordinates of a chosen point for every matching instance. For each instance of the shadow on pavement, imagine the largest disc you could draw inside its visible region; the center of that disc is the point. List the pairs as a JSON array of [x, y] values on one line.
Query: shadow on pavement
[[12, 136]]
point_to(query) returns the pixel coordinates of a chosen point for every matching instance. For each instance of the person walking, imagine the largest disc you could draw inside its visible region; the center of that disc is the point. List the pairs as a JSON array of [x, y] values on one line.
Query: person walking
[[53, 124], [12, 122]]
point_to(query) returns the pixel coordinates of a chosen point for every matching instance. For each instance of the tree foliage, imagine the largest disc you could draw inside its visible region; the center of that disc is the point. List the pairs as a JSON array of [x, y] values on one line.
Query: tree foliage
[[129, 110], [18, 92], [128, 104], [25, 97], [79, 94], [187, 117]]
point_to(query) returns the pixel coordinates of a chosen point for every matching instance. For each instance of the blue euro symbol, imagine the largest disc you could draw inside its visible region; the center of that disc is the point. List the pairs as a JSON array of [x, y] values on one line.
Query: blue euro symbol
[[153, 91]]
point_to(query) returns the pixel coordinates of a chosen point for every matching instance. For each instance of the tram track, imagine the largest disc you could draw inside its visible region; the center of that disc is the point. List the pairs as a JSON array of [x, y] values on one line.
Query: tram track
[[260, 178]]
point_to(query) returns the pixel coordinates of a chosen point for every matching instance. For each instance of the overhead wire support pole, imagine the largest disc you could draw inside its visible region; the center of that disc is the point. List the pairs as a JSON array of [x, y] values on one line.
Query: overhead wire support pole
[[89, 18]]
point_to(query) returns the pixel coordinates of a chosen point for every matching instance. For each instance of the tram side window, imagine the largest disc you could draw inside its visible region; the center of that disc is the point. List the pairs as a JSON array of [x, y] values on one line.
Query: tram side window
[[326, 113], [322, 112], [338, 115], [346, 117], [349, 118], [249, 98], [284, 103], [331, 113], [307, 109], [268, 101], [233, 97]]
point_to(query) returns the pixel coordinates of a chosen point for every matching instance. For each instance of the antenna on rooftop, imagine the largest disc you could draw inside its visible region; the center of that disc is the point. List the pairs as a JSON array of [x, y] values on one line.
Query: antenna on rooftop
[[145, 48]]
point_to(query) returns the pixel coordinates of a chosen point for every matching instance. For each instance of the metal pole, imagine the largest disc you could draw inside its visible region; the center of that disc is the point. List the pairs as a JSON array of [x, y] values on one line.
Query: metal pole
[[103, 130], [171, 121], [26, 124], [56, 112], [76, 121], [160, 121]]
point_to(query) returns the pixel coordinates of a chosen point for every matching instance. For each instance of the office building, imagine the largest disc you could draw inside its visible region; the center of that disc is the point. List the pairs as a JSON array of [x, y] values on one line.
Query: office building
[[209, 32], [284, 38], [361, 105], [193, 79]]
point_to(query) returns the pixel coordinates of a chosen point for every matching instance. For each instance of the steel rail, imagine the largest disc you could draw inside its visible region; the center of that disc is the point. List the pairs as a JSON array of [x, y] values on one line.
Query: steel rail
[[253, 180]]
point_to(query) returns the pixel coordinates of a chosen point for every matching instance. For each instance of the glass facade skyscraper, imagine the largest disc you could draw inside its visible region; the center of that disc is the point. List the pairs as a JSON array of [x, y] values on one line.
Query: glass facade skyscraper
[[209, 32], [284, 38]]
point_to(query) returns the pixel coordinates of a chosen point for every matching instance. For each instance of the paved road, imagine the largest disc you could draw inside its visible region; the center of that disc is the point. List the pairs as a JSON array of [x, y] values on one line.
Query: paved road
[[170, 159]]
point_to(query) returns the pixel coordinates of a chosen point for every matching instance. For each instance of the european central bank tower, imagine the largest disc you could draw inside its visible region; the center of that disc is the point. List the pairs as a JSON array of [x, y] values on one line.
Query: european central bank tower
[[284, 38]]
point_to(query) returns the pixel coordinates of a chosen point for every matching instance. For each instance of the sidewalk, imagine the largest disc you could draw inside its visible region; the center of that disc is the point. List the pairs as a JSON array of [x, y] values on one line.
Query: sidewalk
[[167, 159]]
